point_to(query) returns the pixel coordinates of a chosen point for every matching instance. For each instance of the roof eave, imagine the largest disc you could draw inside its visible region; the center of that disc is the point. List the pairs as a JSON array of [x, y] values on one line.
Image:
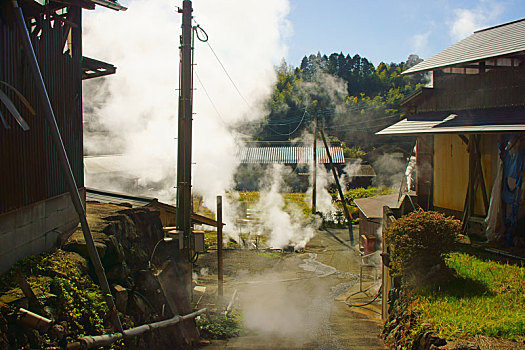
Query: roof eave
[[114, 5]]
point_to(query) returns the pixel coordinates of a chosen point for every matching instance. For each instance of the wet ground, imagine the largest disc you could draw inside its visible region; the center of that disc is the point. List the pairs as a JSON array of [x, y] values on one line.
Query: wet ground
[[295, 300]]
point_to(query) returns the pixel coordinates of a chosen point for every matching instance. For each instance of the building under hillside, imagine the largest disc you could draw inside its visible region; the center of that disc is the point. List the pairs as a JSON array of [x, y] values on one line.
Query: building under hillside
[[256, 157]]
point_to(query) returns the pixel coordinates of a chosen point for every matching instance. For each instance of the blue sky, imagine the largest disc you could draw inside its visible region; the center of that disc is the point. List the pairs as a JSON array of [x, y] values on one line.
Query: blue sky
[[383, 30]]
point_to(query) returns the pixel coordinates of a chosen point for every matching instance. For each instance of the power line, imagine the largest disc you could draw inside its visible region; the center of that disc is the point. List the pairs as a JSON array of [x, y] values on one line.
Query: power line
[[206, 40], [227, 74], [297, 128], [209, 98]]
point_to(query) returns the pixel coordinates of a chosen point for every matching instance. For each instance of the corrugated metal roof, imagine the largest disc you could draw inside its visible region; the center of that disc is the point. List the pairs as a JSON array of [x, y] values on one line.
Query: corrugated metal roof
[[288, 155], [473, 121], [501, 40], [95, 195]]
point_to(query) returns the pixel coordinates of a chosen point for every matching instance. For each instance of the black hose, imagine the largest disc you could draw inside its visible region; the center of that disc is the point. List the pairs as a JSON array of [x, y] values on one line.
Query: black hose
[[367, 303]]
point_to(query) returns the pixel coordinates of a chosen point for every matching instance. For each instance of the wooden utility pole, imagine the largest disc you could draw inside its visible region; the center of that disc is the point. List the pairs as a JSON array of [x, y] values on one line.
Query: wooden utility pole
[[341, 195], [314, 180], [185, 129], [219, 248]]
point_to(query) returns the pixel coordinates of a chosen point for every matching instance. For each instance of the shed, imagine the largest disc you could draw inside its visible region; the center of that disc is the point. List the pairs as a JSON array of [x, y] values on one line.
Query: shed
[[371, 216]]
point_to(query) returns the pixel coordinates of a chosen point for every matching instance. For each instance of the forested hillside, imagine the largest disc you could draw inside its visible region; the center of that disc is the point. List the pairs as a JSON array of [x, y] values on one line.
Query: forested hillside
[[351, 98]]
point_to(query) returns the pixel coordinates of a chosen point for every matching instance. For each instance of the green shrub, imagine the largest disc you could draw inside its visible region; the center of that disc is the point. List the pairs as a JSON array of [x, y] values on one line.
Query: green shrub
[[221, 327], [419, 241]]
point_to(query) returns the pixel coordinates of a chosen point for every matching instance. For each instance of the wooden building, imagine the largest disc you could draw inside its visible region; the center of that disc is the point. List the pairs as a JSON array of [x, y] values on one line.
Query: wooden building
[[36, 211], [470, 125]]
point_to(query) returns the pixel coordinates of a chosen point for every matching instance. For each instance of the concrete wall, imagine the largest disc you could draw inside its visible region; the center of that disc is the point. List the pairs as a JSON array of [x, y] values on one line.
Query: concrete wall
[[36, 228]]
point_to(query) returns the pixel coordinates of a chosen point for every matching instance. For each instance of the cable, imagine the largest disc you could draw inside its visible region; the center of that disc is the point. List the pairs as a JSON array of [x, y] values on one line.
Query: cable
[[206, 40], [198, 28], [227, 74], [209, 98], [363, 122], [290, 133]]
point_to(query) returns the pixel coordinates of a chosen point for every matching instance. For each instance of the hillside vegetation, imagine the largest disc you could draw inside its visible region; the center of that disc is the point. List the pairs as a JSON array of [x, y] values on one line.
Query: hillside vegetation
[[351, 98]]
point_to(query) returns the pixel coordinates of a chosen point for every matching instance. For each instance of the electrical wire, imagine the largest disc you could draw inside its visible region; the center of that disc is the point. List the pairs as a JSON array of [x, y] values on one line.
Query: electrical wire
[[198, 29], [227, 74], [209, 98], [290, 133]]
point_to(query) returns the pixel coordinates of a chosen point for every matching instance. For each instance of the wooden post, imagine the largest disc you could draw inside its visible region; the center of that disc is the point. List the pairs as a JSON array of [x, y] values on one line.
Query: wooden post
[[341, 195], [219, 247], [314, 180]]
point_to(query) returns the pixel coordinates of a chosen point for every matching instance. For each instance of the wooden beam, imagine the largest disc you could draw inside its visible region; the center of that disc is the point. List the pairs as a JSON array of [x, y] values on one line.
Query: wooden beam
[[463, 138]]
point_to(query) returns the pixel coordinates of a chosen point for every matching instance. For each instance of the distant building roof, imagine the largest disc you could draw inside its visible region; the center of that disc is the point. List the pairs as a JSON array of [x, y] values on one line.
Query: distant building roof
[[94, 195], [112, 4], [372, 208], [362, 170], [502, 40], [471, 121], [264, 153]]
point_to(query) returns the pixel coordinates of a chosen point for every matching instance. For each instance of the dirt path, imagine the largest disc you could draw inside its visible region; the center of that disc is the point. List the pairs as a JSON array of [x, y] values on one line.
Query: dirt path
[[289, 301]]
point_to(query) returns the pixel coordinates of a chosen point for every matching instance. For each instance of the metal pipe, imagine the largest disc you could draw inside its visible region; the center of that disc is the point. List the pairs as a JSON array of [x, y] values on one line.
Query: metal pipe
[[230, 305], [89, 342], [341, 195], [64, 163], [32, 320]]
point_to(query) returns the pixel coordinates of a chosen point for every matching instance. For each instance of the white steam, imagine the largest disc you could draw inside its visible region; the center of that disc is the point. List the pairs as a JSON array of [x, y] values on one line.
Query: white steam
[[390, 169], [283, 228], [134, 112]]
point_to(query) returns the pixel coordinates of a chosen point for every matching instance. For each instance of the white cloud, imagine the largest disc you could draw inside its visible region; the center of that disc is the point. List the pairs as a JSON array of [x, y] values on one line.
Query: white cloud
[[467, 20], [420, 43]]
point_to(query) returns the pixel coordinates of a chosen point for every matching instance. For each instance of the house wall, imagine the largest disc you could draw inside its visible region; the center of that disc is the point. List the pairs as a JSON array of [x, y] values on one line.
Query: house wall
[[30, 171], [36, 212], [502, 87], [451, 171], [36, 228]]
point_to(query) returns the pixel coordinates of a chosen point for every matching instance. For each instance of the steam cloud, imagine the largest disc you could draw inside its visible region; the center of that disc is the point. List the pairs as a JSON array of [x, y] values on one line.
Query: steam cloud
[[134, 112]]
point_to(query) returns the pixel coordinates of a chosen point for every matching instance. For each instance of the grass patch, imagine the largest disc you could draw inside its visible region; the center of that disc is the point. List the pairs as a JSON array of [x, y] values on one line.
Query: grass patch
[[292, 201], [485, 297], [269, 254]]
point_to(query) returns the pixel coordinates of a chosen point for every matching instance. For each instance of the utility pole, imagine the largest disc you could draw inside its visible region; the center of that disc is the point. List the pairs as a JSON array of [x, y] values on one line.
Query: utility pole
[[185, 129], [314, 180]]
